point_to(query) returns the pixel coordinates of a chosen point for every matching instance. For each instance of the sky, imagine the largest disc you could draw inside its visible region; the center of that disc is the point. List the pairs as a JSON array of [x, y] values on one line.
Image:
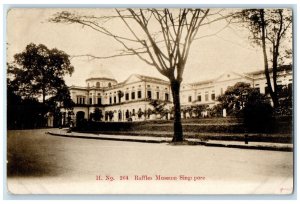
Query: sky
[[228, 50]]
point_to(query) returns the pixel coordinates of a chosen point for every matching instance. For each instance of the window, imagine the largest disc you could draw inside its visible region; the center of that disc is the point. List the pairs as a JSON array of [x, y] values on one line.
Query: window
[[110, 100], [149, 94], [157, 95], [83, 100], [99, 101], [190, 99], [98, 84], [139, 93], [115, 99], [166, 97], [213, 96], [132, 95], [127, 96], [199, 98], [206, 96], [91, 101], [109, 84]]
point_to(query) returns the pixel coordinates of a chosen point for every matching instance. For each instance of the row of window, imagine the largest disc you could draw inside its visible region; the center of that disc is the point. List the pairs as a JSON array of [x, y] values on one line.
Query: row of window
[[206, 97], [115, 99], [80, 100]]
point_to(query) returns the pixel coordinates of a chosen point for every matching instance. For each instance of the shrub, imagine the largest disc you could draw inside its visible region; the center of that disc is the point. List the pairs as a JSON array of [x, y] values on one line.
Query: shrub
[[258, 117]]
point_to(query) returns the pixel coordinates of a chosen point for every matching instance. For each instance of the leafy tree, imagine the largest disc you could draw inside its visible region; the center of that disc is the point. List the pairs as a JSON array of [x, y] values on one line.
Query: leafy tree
[[235, 97], [285, 98], [140, 113], [110, 115], [120, 95], [149, 112], [257, 112], [272, 30], [216, 110], [244, 101], [39, 71], [198, 109], [62, 97], [97, 114], [34, 73], [162, 38], [159, 107]]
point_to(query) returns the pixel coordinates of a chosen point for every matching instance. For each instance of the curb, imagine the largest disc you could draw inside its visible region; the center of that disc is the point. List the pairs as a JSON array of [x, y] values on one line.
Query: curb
[[270, 148], [281, 149], [106, 138]]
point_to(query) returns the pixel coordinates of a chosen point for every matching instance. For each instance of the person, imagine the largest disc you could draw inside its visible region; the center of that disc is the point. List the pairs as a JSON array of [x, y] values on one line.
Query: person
[[70, 126]]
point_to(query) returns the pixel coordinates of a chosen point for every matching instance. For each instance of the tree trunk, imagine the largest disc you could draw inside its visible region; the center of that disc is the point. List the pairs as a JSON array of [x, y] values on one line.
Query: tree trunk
[[178, 135], [266, 67], [44, 95]]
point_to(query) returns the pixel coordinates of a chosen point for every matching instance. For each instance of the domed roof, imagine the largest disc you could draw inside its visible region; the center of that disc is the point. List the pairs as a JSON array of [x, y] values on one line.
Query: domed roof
[[100, 72]]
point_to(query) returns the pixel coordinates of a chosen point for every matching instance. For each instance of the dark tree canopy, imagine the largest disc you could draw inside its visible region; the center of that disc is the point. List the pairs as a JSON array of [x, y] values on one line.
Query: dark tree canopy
[[238, 96], [39, 71]]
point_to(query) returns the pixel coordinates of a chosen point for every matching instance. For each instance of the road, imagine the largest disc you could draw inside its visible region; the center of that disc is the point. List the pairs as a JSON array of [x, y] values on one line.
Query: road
[[41, 163]]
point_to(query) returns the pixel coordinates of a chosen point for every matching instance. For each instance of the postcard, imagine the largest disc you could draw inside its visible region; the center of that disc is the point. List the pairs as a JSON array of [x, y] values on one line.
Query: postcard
[[172, 101]]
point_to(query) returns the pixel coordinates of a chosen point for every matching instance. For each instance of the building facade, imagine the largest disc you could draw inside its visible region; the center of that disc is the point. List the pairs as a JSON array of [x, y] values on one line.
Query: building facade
[[127, 100]]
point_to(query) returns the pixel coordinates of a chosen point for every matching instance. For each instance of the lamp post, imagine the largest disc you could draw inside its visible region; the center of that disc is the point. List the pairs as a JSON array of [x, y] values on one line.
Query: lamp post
[[244, 100]]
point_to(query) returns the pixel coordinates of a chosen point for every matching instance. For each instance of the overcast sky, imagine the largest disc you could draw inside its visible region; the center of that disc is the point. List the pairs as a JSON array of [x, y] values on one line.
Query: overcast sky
[[229, 50]]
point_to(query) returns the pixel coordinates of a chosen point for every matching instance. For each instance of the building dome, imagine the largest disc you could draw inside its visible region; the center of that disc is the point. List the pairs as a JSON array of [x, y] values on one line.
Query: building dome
[[100, 77], [100, 73]]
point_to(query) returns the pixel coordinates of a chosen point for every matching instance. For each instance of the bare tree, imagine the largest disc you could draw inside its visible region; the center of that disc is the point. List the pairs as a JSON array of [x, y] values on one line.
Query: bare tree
[[161, 38], [271, 29]]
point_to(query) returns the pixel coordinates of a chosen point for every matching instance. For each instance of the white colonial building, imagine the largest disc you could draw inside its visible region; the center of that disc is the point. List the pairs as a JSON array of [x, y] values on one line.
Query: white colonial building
[[103, 91]]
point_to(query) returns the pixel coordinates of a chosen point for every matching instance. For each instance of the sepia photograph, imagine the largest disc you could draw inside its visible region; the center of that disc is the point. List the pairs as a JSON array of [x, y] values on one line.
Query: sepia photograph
[[150, 101]]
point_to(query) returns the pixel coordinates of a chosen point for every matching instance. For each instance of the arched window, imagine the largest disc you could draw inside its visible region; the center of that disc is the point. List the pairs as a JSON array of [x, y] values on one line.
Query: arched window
[[109, 84], [98, 84]]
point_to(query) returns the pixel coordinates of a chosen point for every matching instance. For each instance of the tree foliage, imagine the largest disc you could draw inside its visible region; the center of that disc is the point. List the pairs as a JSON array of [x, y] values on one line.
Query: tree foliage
[[34, 73], [244, 101], [236, 97], [97, 114], [39, 71], [159, 107]]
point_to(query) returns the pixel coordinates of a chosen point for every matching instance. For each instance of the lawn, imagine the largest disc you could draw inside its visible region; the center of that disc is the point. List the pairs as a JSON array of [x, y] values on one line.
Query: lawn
[[231, 129]]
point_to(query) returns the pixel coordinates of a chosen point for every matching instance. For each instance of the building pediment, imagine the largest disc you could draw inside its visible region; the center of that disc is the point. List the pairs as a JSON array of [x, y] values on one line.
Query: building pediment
[[132, 79], [229, 76]]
